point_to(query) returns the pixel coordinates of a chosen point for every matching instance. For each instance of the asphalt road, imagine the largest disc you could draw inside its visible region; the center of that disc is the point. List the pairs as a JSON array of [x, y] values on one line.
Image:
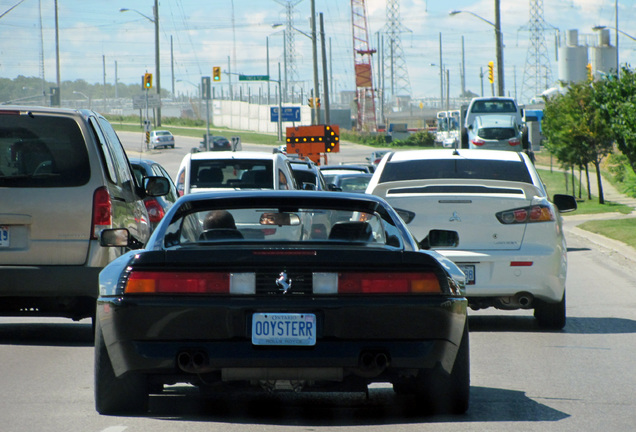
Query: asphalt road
[[523, 378]]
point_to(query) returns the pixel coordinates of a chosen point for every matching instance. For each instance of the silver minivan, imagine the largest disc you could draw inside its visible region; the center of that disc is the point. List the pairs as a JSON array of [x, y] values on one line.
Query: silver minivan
[[495, 132], [64, 176]]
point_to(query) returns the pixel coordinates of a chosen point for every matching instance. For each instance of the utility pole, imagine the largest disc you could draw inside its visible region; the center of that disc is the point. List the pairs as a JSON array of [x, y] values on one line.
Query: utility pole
[[499, 43], [157, 62], [314, 50], [325, 83]]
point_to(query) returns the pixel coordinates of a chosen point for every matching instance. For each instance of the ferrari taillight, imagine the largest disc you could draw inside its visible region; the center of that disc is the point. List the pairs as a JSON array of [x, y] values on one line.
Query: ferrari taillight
[[156, 282], [388, 283]]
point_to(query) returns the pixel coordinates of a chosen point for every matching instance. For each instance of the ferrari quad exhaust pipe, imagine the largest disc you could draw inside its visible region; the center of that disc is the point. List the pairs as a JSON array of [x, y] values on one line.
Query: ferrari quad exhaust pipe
[[373, 363], [193, 361]]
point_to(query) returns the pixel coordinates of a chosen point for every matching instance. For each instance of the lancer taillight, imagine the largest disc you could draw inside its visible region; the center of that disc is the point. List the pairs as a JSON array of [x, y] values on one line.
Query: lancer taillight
[[102, 211], [478, 142], [514, 141], [535, 213], [388, 283]]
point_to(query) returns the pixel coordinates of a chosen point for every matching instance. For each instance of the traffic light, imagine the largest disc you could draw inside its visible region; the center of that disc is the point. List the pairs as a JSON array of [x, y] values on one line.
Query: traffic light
[[491, 72], [590, 76], [216, 73], [332, 139], [317, 102], [147, 83], [310, 102]]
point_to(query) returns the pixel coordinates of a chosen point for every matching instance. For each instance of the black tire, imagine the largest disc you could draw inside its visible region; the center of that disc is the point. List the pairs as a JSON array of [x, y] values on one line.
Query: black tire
[[127, 394], [525, 139], [550, 315], [441, 393], [464, 138]]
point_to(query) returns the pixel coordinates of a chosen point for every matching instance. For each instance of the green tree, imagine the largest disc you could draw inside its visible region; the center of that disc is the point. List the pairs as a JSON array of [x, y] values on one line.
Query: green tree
[[577, 131], [616, 101]]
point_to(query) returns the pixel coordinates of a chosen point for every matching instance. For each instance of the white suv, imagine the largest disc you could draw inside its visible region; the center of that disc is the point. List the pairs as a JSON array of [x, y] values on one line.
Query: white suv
[[512, 247], [219, 170]]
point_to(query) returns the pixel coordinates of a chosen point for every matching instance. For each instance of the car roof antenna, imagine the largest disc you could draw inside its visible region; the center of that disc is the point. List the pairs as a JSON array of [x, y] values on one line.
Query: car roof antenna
[[455, 152]]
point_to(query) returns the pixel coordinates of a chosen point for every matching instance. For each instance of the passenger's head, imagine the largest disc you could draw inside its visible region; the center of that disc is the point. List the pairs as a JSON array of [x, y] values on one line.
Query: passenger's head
[[219, 219]]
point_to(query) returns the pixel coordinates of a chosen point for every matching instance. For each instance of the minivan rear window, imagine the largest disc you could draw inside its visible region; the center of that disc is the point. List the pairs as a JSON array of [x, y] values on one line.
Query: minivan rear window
[[42, 151], [456, 169]]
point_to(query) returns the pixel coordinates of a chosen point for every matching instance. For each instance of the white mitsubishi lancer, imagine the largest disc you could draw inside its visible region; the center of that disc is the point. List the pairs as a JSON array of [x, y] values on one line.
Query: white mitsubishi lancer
[[512, 248]]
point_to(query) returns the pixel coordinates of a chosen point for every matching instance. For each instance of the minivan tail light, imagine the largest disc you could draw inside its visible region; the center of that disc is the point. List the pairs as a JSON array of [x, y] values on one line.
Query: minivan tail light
[[102, 212]]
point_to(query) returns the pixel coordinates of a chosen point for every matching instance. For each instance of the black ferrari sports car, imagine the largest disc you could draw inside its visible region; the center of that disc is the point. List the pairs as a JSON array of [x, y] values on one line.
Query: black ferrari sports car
[[281, 290]]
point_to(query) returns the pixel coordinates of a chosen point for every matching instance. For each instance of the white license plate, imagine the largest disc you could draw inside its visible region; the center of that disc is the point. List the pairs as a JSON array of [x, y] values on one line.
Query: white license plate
[[284, 329], [4, 236], [469, 271]]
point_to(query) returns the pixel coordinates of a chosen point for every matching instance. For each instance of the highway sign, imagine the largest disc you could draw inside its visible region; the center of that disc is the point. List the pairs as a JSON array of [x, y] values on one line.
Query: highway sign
[[253, 77], [290, 114]]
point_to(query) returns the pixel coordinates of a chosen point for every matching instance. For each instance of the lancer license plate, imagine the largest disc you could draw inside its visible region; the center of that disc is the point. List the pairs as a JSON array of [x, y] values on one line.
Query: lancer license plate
[[289, 329], [469, 271], [4, 236]]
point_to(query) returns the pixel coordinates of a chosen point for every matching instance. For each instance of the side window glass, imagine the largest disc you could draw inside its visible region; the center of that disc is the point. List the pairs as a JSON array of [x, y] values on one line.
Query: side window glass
[[282, 180], [121, 161], [107, 157]]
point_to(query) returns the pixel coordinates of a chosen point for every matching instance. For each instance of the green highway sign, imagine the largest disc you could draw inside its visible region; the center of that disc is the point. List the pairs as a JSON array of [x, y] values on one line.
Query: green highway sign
[[253, 77]]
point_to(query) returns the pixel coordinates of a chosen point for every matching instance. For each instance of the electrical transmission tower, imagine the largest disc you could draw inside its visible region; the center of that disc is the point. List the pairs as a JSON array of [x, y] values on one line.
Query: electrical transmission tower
[[394, 63], [537, 75], [365, 95], [289, 51]]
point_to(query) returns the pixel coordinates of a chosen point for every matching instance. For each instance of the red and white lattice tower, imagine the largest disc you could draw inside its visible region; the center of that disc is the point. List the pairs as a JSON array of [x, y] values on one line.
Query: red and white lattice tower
[[365, 94]]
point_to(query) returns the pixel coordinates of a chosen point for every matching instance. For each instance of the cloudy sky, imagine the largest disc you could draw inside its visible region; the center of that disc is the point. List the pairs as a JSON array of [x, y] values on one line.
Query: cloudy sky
[[94, 36]]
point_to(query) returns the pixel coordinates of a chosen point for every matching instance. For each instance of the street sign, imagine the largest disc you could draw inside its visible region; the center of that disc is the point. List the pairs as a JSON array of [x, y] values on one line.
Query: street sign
[[253, 77], [139, 101], [290, 114]]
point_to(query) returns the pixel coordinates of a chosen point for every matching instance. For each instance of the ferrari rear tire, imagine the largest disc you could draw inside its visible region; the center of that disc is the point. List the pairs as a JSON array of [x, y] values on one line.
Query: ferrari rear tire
[[439, 392], [550, 315], [116, 395]]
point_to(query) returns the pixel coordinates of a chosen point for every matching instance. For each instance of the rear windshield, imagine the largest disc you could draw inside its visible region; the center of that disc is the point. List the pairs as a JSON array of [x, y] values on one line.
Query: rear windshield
[[42, 151], [496, 133], [232, 173], [493, 106], [456, 169]]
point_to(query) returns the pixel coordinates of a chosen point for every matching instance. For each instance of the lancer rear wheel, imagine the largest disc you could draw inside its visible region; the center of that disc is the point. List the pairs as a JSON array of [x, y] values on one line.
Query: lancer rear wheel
[[550, 315], [113, 395]]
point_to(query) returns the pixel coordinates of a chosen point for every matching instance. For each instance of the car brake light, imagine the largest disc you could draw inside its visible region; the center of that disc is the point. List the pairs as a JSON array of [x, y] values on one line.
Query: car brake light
[[478, 142], [388, 283], [148, 282], [535, 213], [102, 211], [155, 211], [514, 141]]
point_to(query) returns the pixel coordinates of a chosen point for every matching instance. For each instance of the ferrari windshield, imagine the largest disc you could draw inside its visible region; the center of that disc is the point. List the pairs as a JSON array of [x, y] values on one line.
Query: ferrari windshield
[[262, 224]]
